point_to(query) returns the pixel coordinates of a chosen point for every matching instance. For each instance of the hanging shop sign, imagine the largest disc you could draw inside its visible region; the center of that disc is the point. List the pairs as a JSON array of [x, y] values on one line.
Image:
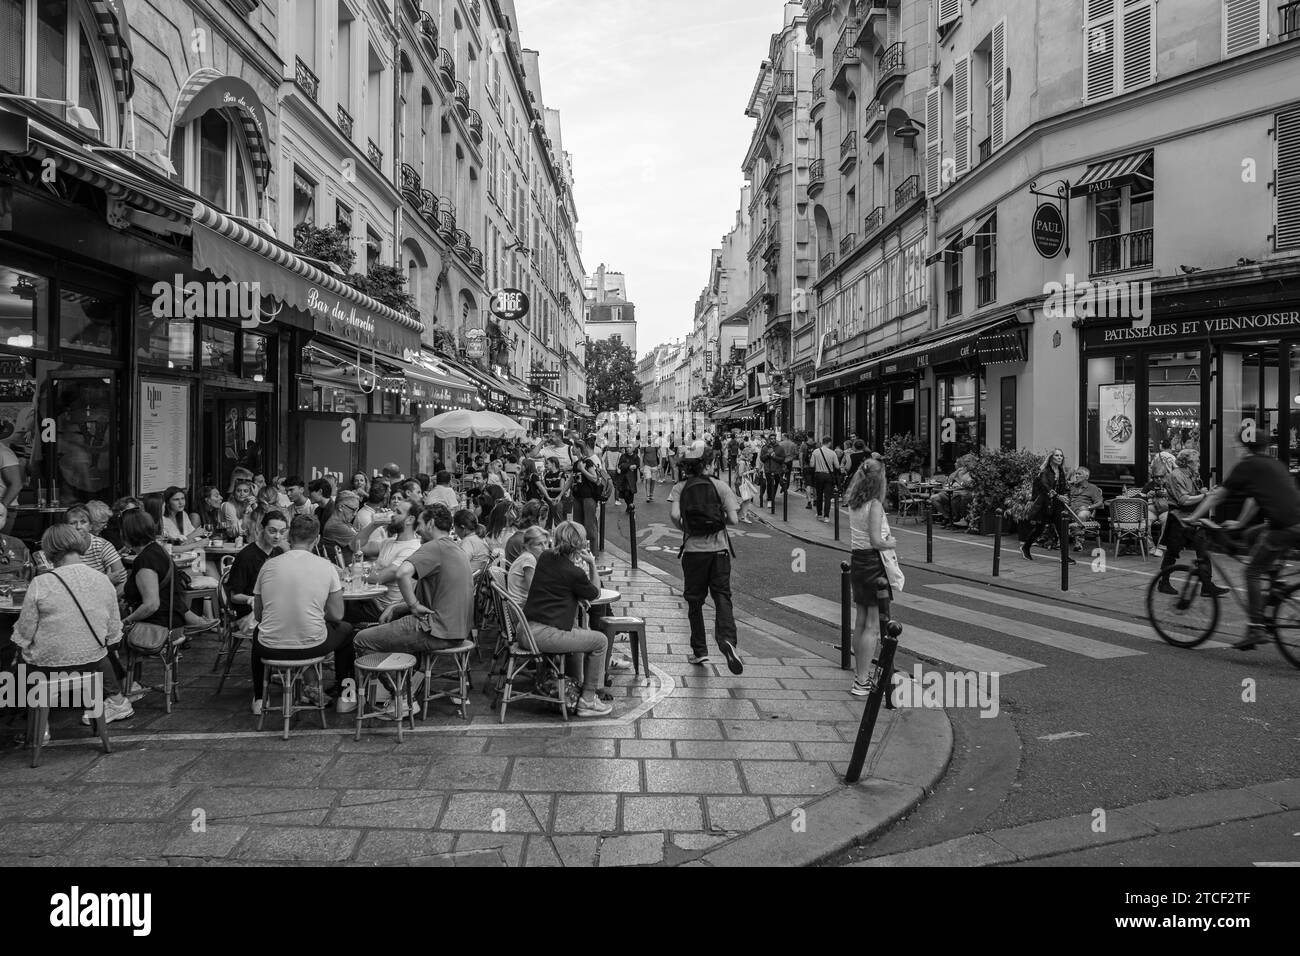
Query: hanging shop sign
[[1050, 226], [1117, 428], [542, 377], [509, 304], [474, 340]]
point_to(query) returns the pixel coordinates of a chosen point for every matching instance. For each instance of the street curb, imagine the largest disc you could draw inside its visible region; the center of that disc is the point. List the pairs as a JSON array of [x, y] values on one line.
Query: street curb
[[987, 581], [1048, 838]]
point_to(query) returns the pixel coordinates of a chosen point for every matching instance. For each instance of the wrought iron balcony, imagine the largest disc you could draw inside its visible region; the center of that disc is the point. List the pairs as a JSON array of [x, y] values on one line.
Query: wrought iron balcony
[[1288, 16], [345, 122], [875, 219], [783, 84], [429, 208], [462, 99], [1122, 252], [429, 31], [827, 262], [816, 176], [374, 154], [874, 118], [446, 218], [890, 67], [462, 243], [849, 151], [410, 184], [985, 149], [848, 242], [305, 79], [819, 89], [476, 261], [759, 243], [447, 69], [845, 54], [475, 122], [907, 192]]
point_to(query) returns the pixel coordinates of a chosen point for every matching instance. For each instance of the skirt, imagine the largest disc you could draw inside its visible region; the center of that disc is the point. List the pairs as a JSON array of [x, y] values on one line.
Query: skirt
[[865, 569]]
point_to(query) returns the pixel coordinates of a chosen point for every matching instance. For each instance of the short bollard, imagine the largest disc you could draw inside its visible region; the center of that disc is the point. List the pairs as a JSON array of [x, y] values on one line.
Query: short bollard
[[929, 534], [846, 610], [631, 533], [785, 501], [1063, 539], [835, 507], [602, 526], [998, 528], [772, 495], [884, 680]]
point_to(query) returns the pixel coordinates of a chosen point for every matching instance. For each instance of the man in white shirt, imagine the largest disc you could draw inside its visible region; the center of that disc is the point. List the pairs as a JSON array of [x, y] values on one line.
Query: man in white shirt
[[298, 602], [826, 468], [442, 493]]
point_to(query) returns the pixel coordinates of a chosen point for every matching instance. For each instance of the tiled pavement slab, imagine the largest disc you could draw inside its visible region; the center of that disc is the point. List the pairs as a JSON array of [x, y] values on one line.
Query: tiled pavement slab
[[696, 764]]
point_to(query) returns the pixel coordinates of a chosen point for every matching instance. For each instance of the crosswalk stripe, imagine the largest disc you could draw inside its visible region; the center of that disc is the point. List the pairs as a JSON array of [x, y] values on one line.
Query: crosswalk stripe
[[1030, 632], [1073, 615], [920, 641]]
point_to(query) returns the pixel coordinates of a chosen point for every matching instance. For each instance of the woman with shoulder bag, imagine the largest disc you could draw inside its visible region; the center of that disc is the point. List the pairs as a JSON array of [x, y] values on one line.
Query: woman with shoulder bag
[[70, 617], [151, 588], [873, 558], [1051, 493]]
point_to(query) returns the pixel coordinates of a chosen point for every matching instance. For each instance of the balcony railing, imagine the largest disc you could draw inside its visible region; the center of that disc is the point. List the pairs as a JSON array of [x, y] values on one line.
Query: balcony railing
[[848, 242], [462, 243], [907, 191], [816, 174], [819, 88], [462, 99], [784, 85], [875, 219], [429, 207], [475, 121], [475, 12], [446, 218], [874, 118], [1122, 252], [374, 154], [826, 262], [846, 53], [1288, 16], [889, 66], [305, 79], [849, 149], [429, 30], [986, 289], [345, 121], [447, 69], [985, 149], [410, 186]]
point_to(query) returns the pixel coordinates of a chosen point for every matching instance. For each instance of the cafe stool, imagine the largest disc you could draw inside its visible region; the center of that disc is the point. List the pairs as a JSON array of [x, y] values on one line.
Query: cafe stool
[[38, 718], [634, 628], [433, 659], [370, 671], [291, 674]]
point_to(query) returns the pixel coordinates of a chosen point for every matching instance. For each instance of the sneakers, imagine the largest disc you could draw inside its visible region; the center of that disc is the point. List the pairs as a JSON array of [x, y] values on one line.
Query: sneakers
[[137, 692], [1024, 551], [311, 694], [620, 664], [117, 711], [861, 688], [257, 707], [342, 706], [1211, 588], [593, 708], [733, 658], [698, 659], [192, 629]]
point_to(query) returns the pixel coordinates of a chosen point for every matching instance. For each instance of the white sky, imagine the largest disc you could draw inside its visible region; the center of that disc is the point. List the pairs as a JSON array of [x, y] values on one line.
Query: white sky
[[652, 97]]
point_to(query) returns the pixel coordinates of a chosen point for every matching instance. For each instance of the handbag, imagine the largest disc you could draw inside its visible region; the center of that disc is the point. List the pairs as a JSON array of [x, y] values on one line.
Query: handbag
[[893, 572]]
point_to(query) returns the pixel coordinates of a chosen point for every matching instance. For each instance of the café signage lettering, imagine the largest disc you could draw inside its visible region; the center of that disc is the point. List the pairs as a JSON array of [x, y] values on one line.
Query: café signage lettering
[[1201, 328], [1048, 231], [356, 324], [509, 304]]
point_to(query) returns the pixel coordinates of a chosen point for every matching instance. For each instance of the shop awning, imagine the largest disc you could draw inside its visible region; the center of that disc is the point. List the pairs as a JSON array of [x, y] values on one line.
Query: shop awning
[[115, 32], [1111, 174], [727, 409], [210, 89], [435, 385], [230, 250]]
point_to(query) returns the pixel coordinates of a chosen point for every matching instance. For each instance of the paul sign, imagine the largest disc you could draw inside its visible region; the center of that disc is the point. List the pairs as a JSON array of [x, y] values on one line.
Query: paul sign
[[509, 304], [1048, 230]]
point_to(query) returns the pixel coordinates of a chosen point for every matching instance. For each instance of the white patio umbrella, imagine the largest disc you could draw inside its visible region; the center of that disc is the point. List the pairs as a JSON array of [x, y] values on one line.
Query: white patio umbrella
[[512, 428], [463, 423]]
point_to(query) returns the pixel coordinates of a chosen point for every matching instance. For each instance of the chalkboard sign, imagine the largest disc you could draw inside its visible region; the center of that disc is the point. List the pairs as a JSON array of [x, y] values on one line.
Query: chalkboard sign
[[1008, 417]]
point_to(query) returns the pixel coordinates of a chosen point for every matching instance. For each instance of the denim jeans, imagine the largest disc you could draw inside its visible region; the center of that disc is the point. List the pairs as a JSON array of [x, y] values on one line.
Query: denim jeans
[[400, 636], [583, 647], [586, 512], [822, 487], [707, 573]]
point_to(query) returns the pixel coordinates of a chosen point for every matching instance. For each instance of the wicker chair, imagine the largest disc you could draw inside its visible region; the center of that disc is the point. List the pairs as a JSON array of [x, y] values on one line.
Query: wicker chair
[[1128, 520]]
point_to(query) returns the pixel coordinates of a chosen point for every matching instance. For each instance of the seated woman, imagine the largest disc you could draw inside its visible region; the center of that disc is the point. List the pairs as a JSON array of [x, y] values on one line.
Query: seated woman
[[500, 525], [98, 554], [150, 589], [520, 577], [466, 527], [552, 608], [182, 530], [70, 618], [533, 514]]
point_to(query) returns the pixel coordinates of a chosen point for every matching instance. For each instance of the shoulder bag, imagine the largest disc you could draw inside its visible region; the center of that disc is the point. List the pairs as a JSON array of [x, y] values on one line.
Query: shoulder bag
[[71, 594], [151, 638]]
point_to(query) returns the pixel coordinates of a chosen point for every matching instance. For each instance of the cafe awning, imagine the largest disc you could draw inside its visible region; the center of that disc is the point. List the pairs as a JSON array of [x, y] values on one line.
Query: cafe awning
[[1112, 174], [210, 89], [433, 384], [231, 250], [115, 32]]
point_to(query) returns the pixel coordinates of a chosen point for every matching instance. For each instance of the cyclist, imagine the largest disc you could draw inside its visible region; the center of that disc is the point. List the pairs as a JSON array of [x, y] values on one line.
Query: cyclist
[[1267, 487]]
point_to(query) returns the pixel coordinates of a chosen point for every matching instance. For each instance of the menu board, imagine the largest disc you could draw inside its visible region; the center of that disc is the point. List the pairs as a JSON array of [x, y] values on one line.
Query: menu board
[[164, 435], [1117, 440]]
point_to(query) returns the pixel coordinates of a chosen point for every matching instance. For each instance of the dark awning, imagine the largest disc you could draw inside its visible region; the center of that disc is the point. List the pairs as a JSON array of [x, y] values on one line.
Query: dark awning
[[1111, 174], [209, 89], [115, 32]]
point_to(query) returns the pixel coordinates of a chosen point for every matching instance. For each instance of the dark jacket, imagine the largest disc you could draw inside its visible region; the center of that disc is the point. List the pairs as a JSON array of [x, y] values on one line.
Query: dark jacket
[[1045, 492]]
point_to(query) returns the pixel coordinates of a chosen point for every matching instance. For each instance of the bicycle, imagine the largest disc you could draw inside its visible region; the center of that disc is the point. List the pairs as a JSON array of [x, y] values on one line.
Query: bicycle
[[1188, 618]]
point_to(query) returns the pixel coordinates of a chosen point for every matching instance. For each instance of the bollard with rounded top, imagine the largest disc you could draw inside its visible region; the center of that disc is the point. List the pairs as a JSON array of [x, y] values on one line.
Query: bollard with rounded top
[[785, 500], [929, 533], [602, 527], [1063, 536], [631, 533], [835, 507], [997, 540], [846, 609]]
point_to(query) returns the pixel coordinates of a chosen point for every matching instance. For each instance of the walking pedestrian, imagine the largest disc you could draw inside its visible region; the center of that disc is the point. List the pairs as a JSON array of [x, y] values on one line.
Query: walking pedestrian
[[1050, 496], [869, 536], [702, 507], [649, 467], [826, 466]]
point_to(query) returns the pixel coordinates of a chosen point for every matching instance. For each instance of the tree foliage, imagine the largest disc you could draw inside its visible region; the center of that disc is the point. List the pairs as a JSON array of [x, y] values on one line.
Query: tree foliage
[[386, 284], [611, 376], [331, 244]]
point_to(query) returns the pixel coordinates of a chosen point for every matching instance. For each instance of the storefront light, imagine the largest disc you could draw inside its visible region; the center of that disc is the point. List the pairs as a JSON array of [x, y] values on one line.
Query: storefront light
[[22, 341]]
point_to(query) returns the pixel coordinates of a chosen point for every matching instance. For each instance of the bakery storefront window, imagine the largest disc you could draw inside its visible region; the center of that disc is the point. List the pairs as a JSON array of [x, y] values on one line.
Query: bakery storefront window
[[1173, 401], [1110, 435], [24, 309]]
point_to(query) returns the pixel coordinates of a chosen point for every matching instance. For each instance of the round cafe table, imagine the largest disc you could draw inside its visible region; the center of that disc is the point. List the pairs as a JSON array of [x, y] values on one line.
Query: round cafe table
[[367, 593]]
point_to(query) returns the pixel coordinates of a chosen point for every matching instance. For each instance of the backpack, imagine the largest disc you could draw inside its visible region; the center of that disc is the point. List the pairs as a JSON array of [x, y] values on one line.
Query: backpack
[[701, 508], [604, 484]]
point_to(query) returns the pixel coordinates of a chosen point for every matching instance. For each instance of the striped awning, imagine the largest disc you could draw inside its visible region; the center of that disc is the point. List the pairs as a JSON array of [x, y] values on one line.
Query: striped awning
[[209, 89], [1112, 174], [110, 16]]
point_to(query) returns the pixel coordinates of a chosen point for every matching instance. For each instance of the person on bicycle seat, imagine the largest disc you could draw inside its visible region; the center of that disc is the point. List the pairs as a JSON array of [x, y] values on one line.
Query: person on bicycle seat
[[1185, 493], [1268, 488]]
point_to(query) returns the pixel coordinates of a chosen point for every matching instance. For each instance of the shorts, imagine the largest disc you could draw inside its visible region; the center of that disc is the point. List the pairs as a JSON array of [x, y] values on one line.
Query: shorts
[[865, 569], [647, 471]]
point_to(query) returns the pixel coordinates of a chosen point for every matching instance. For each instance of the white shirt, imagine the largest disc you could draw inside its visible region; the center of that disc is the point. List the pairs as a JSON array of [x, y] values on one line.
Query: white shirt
[[294, 587], [515, 577], [391, 554], [171, 529], [443, 495], [7, 460]]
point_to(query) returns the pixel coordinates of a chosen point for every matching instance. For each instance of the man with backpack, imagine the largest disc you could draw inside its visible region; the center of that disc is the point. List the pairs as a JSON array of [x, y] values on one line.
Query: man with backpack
[[588, 492], [702, 507]]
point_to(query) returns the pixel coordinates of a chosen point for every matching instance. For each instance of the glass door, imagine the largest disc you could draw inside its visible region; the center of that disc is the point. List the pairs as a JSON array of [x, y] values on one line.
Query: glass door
[[234, 435], [1248, 392]]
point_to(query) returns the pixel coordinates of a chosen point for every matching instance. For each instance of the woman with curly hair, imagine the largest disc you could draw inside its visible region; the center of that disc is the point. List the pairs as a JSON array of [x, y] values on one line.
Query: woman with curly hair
[[1050, 495]]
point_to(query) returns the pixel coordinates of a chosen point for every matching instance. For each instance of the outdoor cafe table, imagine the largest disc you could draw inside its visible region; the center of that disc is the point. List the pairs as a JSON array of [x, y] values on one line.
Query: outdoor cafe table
[[367, 593]]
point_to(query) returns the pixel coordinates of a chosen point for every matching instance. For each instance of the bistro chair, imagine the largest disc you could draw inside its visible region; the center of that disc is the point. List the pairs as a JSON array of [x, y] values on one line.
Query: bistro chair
[[291, 676], [169, 655], [523, 660], [1080, 529], [394, 670], [912, 498], [229, 636], [448, 663], [1128, 520], [61, 688]]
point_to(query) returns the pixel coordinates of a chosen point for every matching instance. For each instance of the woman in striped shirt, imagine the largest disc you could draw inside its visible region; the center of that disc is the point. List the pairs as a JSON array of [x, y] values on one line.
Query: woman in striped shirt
[[99, 554]]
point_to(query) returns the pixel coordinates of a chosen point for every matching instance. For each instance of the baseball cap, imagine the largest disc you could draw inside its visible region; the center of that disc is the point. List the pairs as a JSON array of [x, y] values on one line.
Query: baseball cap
[[696, 451]]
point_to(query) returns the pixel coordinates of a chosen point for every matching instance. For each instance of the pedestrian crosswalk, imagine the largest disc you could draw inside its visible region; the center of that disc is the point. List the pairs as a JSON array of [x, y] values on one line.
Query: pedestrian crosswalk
[[953, 648]]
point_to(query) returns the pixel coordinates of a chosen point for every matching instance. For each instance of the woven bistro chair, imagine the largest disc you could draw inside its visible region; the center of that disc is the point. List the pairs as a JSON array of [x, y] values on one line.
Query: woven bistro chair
[[523, 661], [1128, 520]]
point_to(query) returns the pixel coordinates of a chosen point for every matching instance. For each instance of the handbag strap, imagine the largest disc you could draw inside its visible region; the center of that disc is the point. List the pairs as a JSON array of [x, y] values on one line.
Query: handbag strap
[[93, 633]]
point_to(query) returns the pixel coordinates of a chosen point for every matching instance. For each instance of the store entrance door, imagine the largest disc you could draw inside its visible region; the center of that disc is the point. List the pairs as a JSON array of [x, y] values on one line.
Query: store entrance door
[[1248, 391], [234, 436]]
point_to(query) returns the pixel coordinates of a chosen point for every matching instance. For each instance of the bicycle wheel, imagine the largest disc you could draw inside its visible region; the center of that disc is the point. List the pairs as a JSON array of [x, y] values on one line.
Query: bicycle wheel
[[1284, 617], [1188, 617]]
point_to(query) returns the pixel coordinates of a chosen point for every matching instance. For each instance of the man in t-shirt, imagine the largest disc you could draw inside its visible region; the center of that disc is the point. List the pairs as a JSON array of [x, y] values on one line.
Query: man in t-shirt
[[649, 466], [789, 452], [437, 606], [248, 565], [298, 601], [299, 503], [706, 558], [442, 493], [826, 466], [586, 487], [1268, 488]]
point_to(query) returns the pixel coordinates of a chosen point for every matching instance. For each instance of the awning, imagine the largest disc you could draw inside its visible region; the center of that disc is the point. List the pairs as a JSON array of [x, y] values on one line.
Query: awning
[[724, 412], [210, 89], [1111, 174], [110, 17], [233, 251], [749, 410], [434, 384]]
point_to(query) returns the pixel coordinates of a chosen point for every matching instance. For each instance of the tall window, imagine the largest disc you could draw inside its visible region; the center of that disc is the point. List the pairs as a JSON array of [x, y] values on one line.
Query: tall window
[[1123, 225], [952, 276], [374, 248], [304, 198], [210, 157], [986, 262]]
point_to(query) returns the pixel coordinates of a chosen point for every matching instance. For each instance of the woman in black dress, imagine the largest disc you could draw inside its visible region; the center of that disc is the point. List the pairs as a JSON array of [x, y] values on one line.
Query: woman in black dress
[[1050, 495]]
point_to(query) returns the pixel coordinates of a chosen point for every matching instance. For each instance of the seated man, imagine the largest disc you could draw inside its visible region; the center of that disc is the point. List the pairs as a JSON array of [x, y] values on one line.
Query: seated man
[[339, 533], [248, 565], [1085, 497], [952, 501], [442, 493], [437, 606], [298, 600]]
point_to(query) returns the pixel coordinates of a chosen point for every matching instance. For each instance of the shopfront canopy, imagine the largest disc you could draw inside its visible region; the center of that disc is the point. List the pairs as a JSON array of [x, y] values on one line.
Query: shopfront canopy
[[115, 32], [1112, 174], [463, 423], [210, 89]]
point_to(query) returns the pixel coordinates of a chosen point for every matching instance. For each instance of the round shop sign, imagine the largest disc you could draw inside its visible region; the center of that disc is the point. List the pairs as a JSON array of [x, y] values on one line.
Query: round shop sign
[[509, 304], [1048, 230]]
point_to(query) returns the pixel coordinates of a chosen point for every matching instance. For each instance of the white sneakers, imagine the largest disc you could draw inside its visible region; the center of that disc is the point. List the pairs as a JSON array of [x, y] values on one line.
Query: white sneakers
[[112, 712], [593, 708]]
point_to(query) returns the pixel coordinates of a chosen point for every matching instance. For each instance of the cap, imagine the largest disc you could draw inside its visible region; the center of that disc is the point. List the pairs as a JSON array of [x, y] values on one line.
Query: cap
[[695, 452]]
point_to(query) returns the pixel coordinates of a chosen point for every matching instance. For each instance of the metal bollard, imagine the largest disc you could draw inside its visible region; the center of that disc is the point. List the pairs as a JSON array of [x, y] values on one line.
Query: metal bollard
[[631, 533], [772, 496], [846, 611], [602, 526], [929, 534], [889, 633], [835, 507], [1063, 536], [785, 501], [997, 541]]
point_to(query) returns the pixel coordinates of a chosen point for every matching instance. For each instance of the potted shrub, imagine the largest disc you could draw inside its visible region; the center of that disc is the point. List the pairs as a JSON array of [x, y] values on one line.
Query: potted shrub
[[1003, 480], [901, 454]]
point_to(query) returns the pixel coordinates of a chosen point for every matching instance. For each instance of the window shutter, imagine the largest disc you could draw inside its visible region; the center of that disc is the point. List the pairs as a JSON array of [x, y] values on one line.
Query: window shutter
[[1245, 25], [998, 71], [933, 142], [961, 115], [1099, 39], [949, 12], [1139, 43], [1287, 235]]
